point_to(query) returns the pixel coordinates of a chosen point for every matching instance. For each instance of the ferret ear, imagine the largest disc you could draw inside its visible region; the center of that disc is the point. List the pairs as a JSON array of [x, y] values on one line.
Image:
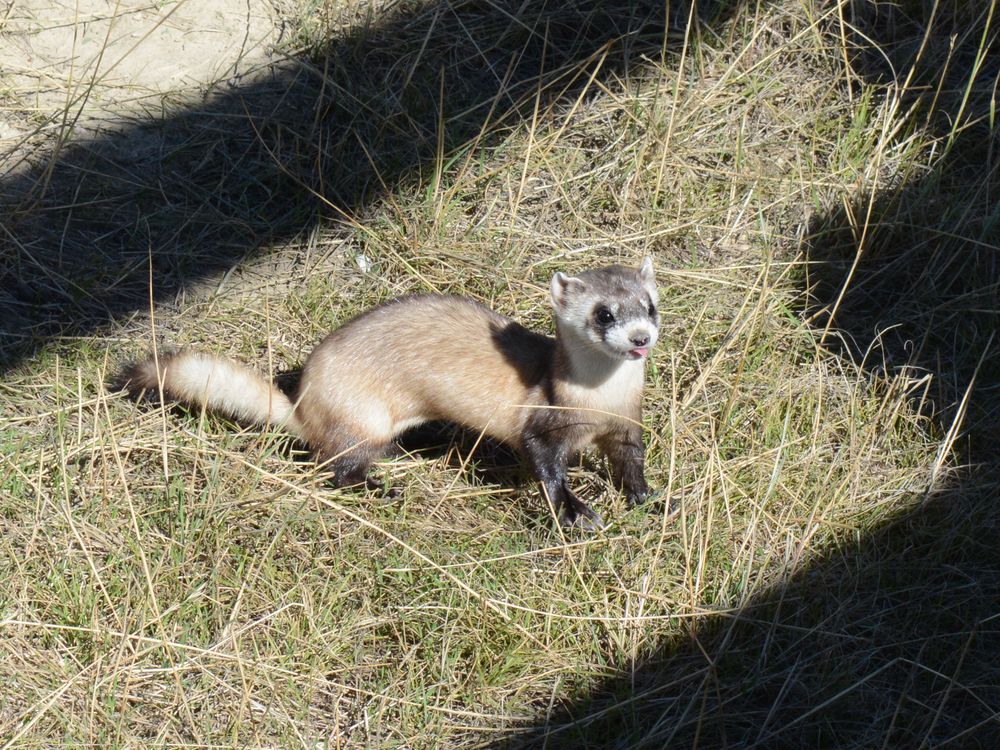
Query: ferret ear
[[648, 278], [562, 286], [646, 270]]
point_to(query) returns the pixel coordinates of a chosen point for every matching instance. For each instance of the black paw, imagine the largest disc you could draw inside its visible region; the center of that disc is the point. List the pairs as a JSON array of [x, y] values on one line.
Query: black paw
[[639, 496], [373, 485], [578, 515], [390, 493], [671, 506]]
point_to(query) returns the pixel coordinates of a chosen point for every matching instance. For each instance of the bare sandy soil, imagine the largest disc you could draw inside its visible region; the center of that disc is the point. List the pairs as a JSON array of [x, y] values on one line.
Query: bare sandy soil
[[89, 64]]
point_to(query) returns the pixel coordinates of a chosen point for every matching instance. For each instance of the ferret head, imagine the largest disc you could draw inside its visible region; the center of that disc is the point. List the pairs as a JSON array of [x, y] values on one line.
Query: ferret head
[[613, 309]]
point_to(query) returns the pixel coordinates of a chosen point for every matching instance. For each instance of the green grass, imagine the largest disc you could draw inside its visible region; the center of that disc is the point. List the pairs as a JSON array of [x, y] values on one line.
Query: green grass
[[168, 579]]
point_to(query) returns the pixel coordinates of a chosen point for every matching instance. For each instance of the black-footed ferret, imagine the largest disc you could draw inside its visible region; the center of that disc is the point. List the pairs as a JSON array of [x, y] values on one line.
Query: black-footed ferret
[[424, 358]]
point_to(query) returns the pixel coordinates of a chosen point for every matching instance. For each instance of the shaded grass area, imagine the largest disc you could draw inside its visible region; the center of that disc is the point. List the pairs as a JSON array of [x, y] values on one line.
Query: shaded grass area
[[886, 642], [830, 579]]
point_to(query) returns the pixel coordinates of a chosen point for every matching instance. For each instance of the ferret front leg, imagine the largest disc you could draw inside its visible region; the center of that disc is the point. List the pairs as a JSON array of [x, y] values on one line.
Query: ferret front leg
[[548, 459], [625, 453]]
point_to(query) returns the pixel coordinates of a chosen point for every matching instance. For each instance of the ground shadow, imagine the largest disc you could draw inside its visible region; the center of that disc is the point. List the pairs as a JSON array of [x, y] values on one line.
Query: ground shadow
[[893, 641], [843, 655], [190, 196]]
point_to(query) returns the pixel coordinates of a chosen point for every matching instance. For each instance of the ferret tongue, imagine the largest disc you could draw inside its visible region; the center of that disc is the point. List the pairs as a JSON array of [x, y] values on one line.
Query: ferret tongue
[[639, 352]]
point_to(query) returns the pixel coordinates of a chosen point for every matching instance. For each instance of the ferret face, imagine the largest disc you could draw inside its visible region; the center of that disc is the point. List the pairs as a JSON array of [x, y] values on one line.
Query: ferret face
[[613, 309]]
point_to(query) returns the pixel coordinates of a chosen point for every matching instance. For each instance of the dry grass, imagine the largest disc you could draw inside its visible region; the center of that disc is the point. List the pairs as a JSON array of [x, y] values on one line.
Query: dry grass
[[169, 580]]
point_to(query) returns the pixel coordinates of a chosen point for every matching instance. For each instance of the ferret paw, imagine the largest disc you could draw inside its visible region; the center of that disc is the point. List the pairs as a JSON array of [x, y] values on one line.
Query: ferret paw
[[389, 493], [671, 506], [639, 496], [580, 516]]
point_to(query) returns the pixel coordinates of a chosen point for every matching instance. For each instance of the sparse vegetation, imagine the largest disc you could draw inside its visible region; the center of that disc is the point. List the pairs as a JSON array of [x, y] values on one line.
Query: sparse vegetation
[[817, 184]]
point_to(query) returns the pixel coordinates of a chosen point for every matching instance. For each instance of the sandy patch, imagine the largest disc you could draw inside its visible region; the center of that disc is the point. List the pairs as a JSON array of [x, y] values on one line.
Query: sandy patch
[[98, 60]]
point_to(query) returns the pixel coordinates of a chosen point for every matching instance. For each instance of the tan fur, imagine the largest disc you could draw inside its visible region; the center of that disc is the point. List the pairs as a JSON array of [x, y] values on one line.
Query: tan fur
[[414, 360], [440, 363]]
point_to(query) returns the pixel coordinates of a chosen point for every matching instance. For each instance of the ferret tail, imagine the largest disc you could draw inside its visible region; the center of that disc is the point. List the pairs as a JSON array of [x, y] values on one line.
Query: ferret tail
[[215, 383]]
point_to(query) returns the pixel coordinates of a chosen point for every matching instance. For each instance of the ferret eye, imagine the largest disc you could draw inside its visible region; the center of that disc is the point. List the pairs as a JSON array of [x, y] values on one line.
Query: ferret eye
[[604, 316], [652, 310]]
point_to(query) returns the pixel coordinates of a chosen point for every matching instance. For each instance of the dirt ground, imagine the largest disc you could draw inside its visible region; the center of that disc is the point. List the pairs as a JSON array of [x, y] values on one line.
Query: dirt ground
[[87, 65]]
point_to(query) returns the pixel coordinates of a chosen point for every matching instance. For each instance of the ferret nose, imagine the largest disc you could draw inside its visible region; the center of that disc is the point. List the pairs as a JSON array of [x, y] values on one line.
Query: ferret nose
[[639, 339]]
